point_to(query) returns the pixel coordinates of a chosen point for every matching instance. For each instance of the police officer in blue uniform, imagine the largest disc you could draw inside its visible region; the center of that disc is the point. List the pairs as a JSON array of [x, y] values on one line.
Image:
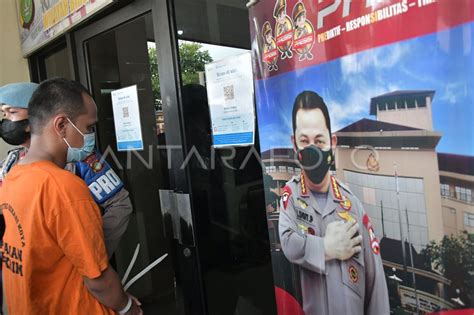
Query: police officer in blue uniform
[[105, 186], [324, 228]]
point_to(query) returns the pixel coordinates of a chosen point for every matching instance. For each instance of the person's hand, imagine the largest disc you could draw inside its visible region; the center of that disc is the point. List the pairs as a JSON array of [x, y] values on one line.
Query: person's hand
[[135, 309], [339, 242]]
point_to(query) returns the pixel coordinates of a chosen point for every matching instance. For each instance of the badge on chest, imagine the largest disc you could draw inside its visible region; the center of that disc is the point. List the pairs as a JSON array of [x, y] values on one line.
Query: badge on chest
[[306, 229]]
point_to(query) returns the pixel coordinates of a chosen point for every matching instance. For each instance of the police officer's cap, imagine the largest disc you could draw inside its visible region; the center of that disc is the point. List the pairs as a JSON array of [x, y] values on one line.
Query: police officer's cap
[[266, 28], [17, 94], [298, 10], [279, 6]]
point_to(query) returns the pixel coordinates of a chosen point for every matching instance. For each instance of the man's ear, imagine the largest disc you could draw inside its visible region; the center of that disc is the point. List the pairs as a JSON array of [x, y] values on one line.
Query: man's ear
[[59, 124], [333, 141]]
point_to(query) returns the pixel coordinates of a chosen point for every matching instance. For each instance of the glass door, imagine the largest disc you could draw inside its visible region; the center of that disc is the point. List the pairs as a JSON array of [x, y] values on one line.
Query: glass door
[[226, 184], [125, 55]]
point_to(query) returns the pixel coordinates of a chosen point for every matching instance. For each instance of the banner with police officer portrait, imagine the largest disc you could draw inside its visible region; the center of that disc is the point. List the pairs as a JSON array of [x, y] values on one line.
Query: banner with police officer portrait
[[365, 113]]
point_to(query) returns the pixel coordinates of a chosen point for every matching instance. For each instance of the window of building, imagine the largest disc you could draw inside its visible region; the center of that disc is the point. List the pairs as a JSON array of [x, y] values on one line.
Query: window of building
[[421, 102], [401, 105], [282, 169], [411, 103], [291, 170], [468, 219], [463, 194], [381, 106], [57, 64], [445, 190]]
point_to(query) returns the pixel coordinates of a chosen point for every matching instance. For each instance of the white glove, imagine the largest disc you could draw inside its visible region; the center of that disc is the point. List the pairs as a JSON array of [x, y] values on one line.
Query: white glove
[[339, 242]]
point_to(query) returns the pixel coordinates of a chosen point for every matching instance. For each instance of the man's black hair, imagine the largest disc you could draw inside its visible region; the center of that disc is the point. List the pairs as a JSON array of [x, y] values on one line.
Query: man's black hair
[[55, 96], [310, 100]]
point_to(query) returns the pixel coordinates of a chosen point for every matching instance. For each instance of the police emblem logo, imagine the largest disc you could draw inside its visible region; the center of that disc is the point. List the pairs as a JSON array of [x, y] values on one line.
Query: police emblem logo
[[27, 13], [91, 159], [353, 274], [96, 166], [270, 52], [285, 196], [304, 37], [283, 30]]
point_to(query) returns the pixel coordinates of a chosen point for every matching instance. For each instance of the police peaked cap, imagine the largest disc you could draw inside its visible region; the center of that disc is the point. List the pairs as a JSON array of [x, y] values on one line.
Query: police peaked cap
[[279, 6], [298, 10], [17, 94], [266, 28]]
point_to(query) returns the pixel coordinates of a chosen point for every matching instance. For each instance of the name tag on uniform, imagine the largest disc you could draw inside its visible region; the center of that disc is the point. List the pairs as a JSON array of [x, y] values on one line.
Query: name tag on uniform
[[301, 215]]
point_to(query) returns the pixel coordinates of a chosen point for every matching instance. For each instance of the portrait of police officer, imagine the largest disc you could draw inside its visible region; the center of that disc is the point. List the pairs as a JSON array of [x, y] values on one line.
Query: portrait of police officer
[[323, 227]]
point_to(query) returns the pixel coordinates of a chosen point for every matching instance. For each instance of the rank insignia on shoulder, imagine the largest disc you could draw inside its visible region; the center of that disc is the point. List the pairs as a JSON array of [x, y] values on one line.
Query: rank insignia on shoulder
[[346, 216], [335, 189], [302, 203], [304, 190], [285, 196], [346, 203], [353, 274]]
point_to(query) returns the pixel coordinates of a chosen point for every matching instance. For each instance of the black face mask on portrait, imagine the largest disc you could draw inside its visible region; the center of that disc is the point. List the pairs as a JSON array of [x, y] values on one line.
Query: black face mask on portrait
[[14, 132], [315, 162]]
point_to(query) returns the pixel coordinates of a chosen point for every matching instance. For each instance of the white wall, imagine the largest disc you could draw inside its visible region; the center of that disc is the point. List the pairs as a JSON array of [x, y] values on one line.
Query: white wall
[[13, 67]]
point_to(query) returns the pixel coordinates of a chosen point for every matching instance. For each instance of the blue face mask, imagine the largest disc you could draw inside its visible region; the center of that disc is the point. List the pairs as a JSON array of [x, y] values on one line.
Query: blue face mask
[[79, 154]]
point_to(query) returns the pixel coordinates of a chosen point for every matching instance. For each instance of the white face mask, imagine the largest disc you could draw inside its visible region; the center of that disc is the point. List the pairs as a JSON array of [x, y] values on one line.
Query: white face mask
[[80, 154]]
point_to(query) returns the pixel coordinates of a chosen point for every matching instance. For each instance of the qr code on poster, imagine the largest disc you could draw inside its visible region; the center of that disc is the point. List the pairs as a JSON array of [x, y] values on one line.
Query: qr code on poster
[[228, 92]]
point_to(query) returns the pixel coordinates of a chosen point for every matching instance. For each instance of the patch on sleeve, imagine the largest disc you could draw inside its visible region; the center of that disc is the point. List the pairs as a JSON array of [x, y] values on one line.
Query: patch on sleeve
[[101, 179], [94, 163], [374, 243], [285, 196]]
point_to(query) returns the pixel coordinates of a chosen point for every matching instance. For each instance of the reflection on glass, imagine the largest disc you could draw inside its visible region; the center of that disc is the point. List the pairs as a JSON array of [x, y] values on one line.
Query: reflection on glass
[[228, 200], [155, 84], [57, 64]]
